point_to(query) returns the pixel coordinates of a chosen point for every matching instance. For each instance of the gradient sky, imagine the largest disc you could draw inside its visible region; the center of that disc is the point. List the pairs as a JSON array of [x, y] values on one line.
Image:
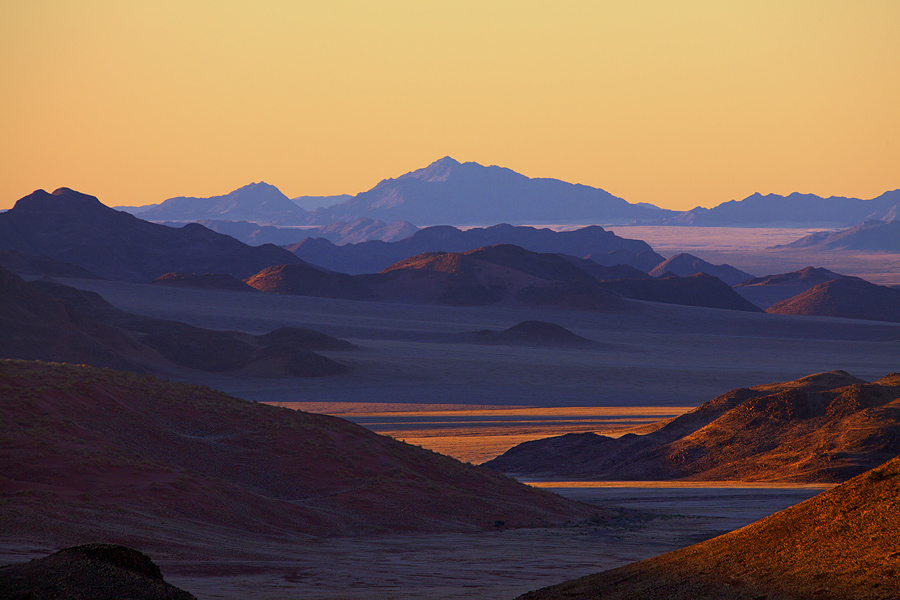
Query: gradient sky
[[675, 103]]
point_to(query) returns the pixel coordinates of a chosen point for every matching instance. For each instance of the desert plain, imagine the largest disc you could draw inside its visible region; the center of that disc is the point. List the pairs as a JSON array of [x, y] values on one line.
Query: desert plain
[[416, 377]]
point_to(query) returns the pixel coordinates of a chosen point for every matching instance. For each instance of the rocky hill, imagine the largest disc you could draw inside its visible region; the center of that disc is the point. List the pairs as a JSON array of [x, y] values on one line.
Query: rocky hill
[[772, 289], [504, 274], [685, 265], [696, 290], [839, 545], [848, 297], [100, 454], [821, 428]]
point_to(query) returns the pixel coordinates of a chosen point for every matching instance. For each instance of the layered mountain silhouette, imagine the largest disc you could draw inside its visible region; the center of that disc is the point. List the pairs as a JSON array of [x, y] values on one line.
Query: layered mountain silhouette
[[848, 297], [685, 265], [871, 236], [820, 428], [47, 321], [794, 210], [342, 232], [503, 273], [120, 456], [373, 256], [838, 545], [771, 289], [76, 228], [259, 202], [454, 193], [96, 571]]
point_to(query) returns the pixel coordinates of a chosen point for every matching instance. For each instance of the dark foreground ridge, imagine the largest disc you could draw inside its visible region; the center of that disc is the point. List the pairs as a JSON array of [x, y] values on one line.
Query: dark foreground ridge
[[101, 454], [88, 572]]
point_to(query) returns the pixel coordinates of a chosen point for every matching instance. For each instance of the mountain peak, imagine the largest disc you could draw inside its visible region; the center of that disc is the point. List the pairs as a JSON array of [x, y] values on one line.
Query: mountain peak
[[439, 170]]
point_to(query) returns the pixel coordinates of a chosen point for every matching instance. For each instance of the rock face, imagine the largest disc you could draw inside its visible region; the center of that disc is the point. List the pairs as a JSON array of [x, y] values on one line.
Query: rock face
[[76, 228], [821, 428], [772, 289], [115, 456], [839, 545], [454, 193], [373, 256], [48, 321], [848, 297], [685, 265], [88, 572]]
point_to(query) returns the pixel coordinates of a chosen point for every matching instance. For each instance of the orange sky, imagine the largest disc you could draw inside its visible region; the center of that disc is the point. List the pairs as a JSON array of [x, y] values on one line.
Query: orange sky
[[675, 103]]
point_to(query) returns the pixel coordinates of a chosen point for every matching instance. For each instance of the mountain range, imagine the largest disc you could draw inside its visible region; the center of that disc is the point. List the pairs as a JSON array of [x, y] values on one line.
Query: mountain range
[[373, 256], [448, 192], [341, 232], [826, 427], [793, 210]]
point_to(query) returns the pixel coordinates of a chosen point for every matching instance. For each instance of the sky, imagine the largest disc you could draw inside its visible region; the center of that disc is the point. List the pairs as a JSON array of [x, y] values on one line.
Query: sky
[[679, 104]]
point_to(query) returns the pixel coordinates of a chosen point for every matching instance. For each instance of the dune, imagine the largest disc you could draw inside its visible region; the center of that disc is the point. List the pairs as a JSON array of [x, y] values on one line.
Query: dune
[[821, 428], [840, 544]]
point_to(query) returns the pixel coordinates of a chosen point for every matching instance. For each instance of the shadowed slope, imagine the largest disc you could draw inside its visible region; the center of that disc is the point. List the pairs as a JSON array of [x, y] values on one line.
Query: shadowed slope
[[821, 428], [848, 297], [841, 544], [88, 572], [769, 290], [100, 452], [699, 289], [73, 227], [48, 321]]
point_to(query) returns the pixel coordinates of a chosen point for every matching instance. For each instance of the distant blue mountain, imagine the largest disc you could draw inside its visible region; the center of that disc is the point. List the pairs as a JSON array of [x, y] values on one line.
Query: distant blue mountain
[[795, 210], [257, 202], [448, 192]]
